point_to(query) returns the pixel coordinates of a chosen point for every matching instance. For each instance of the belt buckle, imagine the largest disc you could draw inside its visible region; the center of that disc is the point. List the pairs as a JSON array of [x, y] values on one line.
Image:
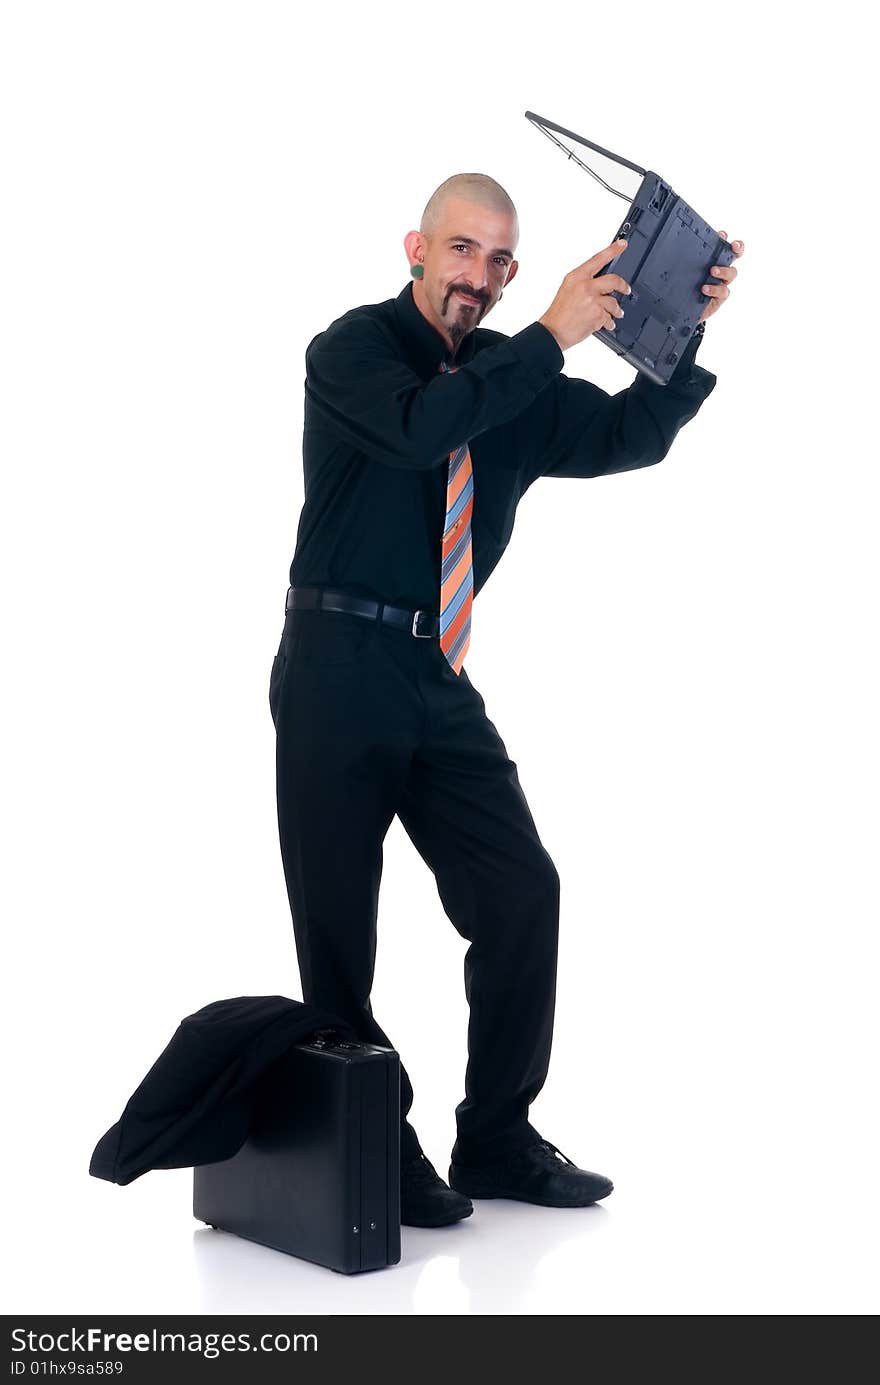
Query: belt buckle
[[415, 622]]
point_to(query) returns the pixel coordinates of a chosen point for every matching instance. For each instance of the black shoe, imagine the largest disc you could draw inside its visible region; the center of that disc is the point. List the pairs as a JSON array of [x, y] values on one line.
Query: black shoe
[[425, 1200], [532, 1174]]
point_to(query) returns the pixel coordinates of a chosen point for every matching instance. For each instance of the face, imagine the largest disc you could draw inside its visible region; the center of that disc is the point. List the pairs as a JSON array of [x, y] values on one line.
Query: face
[[468, 261]]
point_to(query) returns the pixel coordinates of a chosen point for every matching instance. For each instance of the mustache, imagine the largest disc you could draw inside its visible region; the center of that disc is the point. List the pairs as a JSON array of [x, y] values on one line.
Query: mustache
[[460, 289]]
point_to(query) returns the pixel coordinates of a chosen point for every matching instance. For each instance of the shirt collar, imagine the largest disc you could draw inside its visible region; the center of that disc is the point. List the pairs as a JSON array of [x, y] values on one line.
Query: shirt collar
[[425, 342]]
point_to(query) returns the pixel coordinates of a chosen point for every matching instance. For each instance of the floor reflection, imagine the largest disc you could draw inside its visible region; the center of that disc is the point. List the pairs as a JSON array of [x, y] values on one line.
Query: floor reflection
[[489, 1263]]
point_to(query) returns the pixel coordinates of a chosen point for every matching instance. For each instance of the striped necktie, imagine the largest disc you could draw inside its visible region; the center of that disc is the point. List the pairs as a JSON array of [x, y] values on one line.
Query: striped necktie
[[456, 572]]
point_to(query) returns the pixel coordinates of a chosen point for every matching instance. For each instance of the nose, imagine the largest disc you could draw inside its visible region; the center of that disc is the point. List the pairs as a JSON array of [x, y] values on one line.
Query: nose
[[480, 280], [477, 278]]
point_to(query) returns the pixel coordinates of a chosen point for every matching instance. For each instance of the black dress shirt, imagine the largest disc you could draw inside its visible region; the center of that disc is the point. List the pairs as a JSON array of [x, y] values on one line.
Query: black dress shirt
[[381, 419]]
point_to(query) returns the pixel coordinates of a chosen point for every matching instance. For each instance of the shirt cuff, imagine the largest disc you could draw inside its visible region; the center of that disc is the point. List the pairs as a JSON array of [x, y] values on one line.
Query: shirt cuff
[[539, 352], [683, 370]]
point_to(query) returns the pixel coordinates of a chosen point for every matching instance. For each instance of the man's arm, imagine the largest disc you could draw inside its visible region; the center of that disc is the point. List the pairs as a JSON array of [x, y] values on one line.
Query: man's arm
[[581, 430], [359, 388]]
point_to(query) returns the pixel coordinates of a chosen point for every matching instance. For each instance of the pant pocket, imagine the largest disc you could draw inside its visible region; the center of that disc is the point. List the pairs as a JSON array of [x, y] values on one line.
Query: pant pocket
[[276, 678], [334, 639]]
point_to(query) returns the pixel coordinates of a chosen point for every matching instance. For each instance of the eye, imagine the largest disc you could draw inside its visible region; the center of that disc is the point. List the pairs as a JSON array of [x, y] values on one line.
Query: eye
[[500, 260]]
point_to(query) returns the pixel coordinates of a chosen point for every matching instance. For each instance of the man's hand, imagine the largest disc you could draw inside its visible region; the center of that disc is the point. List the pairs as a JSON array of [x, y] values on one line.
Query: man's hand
[[584, 303], [719, 292]]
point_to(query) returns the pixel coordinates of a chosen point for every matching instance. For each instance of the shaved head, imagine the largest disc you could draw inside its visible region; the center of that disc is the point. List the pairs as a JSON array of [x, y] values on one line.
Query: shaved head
[[478, 188], [462, 256]]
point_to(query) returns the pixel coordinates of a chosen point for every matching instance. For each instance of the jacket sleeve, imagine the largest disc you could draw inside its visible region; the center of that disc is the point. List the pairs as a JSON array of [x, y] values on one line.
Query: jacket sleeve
[[580, 430], [359, 388]]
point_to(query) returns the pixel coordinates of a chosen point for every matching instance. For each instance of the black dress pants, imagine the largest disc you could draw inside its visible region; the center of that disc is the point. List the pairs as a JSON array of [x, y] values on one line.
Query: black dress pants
[[371, 721]]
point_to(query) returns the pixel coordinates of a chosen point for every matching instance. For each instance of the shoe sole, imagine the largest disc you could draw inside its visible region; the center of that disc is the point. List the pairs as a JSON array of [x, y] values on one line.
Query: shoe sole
[[471, 1183], [439, 1221]]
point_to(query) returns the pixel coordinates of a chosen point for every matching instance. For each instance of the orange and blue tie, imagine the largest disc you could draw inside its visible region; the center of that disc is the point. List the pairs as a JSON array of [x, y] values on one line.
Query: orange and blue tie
[[457, 572]]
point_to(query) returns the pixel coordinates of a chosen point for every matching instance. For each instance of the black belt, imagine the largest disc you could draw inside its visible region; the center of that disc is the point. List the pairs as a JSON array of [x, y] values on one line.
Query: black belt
[[423, 624]]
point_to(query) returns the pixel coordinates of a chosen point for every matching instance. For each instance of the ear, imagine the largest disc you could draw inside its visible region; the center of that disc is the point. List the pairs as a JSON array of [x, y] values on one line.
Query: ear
[[511, 272], [414, 245]]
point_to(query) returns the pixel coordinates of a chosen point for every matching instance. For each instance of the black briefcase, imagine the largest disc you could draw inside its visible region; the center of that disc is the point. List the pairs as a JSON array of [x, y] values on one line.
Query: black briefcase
[[319, 1174]]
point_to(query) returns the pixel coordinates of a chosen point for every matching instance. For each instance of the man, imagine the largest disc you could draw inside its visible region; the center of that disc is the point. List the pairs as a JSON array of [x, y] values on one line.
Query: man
[[422, 431]]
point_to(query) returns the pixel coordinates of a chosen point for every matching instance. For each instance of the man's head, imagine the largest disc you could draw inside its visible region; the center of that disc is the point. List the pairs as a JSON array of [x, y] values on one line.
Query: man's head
[[466, 242]]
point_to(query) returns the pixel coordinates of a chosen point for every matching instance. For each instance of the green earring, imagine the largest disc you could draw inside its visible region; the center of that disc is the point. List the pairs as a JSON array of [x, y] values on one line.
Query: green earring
[[417, 271]]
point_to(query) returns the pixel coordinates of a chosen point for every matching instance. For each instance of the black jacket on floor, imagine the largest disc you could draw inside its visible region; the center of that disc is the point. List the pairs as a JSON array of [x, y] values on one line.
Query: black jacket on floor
[[194, 1105]]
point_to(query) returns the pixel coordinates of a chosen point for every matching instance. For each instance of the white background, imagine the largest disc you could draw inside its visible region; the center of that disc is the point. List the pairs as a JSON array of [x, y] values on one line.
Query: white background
[[192, 191]]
